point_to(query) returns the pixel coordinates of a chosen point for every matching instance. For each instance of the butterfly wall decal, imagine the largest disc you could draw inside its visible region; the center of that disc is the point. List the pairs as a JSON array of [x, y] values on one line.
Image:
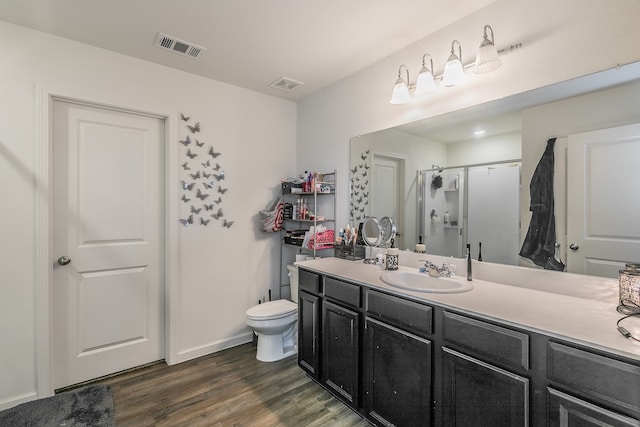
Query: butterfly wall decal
[[204, 221], [228, 224], [190, 154], [185, 199], [219, 176], [185, 141], [195, 128], [187, 221], [354, 170], [200, 195], [217, 167], [218, 214], [208, 185], [199, 144], [222, 190], [206, 175], [206, 164], [208, 207], [363, 156], [182, 116], [218, 201], [194, 210], [188, 187], [212, 153], [195, 175], [185, 166]]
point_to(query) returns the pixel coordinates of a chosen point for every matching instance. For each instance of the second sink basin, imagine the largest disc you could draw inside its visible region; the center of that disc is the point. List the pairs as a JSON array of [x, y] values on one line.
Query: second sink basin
[[422, 282]]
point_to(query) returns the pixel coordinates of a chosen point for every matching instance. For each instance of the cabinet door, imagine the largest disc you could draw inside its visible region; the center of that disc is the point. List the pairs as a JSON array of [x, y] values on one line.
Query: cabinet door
[[397, 376], [309, 333], [477, 393], [340, 351], [568, 411]]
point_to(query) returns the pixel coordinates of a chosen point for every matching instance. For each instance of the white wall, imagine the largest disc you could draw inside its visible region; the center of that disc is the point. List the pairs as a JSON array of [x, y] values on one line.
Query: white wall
[[561, 40], [485, 150], [220, 272]]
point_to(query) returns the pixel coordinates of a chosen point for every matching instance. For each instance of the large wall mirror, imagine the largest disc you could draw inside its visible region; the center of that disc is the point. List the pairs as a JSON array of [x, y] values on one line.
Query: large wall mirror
[[441, 179]]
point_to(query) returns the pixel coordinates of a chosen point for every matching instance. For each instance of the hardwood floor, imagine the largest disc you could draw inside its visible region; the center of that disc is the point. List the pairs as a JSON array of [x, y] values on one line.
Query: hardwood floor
[[228, 388]]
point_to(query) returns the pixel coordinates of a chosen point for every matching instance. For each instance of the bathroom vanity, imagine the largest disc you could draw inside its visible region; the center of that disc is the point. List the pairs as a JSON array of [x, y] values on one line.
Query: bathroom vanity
[[497, 355]]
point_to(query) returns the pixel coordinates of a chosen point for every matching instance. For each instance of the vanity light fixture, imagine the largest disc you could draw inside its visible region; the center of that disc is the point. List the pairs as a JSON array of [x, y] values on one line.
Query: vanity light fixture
[[453, 69], [487, 58], [400, 93], [425, 82], [486, 61]]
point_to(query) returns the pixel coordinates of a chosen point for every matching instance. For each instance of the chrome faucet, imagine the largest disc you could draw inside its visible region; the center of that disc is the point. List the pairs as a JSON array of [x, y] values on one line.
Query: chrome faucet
[[447, 270]]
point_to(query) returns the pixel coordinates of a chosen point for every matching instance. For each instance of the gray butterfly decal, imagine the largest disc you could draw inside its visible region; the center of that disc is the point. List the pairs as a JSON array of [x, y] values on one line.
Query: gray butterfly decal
[[217, 202], [185, 199], [190, 154], [182, 116], [204, 221], [195, 128], [213, 153], [208, 207], [205, 175], [364, 173], [187, 221], [185, 166], [186, 141], [208, 185], [363, 156], [199, 144], [354, 170], [200, 195], [220, 176], [366, 166], [217, 168], [222, 190], [195, 175], [206, 164], [365, 193], [359, 200], [194, 210], [228, 224], [218, 214], [188, 187]]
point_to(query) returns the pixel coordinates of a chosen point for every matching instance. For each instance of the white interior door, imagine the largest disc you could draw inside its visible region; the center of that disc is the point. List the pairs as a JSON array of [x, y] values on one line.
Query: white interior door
[[603, 201], [108, 220], [386, 194]]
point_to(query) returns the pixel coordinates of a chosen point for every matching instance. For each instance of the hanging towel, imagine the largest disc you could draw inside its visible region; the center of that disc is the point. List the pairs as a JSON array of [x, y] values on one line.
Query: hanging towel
[[539, 244]]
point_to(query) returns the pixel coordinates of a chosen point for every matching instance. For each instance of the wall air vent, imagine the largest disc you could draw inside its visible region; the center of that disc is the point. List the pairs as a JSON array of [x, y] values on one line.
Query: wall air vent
[[165, 41], [286, 84]]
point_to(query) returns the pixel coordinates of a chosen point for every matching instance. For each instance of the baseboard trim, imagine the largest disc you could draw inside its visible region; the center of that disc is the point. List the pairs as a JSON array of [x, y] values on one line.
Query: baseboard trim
[[16, 400], [195, 352]]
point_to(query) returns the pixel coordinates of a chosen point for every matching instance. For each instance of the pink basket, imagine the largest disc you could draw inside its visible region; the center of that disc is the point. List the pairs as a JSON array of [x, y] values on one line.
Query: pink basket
[[322, 240]]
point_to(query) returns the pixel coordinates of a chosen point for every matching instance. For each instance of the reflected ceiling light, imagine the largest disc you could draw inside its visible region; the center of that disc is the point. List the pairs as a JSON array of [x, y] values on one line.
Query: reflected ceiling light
[[453, 69], [479, 132], [425, 82], [487, 58], [400, 93]]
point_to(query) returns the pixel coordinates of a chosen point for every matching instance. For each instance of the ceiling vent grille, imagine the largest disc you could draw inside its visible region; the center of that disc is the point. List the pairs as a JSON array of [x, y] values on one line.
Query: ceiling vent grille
[[165, 41], [286, 84]]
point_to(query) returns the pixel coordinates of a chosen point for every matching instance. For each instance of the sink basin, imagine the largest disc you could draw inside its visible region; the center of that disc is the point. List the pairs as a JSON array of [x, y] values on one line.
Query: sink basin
[[421, 282]]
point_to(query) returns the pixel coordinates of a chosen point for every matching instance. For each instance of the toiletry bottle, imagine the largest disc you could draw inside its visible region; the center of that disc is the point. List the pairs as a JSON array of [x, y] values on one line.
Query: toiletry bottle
[[479, 251], [420, 247], [446, 218], [391, 257], [469, 261]]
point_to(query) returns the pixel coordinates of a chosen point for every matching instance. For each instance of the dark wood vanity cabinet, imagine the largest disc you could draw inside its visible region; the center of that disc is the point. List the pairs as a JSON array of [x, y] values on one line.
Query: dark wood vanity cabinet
[[402, 362], [309, 327]]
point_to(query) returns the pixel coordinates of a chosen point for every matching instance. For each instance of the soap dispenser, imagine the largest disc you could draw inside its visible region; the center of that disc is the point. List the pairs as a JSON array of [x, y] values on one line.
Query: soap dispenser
[[420, 247], [392, 257]]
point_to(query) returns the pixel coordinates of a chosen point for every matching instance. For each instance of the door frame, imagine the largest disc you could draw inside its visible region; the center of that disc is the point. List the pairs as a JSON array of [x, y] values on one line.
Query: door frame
[[44, 223], [401, 161]]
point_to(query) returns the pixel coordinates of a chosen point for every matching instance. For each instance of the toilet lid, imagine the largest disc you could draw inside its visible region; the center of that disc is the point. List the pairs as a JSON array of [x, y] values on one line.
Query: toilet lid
[[272, 309]]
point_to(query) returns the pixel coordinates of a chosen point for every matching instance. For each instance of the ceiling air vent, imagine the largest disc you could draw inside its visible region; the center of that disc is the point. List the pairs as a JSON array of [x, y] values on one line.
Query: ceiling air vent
[[286, 84], [165, 41]]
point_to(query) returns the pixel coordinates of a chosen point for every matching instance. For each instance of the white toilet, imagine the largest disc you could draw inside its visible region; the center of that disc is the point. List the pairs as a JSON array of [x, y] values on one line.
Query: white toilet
[[276, 324]]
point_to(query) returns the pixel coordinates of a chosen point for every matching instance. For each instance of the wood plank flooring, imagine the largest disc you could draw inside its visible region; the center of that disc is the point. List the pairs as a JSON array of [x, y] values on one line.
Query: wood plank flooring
[[228, 388]]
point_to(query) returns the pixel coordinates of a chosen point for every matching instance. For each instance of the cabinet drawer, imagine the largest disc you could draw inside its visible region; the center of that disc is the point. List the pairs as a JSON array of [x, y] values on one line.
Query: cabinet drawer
[[308, 281], [566, 410], [411, 316], [342, 291], [594, 376], [500, 345]]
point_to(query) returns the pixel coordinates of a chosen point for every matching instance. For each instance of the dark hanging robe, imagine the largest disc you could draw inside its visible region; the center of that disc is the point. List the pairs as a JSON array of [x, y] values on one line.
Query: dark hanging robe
[[539, 244]]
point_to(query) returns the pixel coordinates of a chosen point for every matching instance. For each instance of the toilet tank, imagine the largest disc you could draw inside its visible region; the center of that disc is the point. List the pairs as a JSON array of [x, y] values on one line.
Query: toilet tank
[[293, 281]]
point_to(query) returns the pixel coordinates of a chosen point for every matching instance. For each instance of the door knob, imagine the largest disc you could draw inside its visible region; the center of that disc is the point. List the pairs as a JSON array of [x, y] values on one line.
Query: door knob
[[64, 260], [574, 247]]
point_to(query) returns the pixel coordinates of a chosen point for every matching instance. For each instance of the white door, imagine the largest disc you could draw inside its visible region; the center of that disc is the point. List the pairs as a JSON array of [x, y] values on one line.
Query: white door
[[603, 201], [386, 195], [108, 221]]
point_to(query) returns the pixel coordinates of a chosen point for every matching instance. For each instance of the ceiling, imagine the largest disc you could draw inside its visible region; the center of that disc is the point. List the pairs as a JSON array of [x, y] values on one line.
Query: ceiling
[[249, 43]]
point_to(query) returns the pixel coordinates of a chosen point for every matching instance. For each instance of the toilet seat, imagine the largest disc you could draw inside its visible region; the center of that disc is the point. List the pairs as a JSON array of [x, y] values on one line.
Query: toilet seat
[[272, 310]]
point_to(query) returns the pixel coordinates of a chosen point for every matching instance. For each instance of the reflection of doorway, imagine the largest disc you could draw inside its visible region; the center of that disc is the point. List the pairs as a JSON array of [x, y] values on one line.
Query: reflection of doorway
[[602, 200], [387, 182]]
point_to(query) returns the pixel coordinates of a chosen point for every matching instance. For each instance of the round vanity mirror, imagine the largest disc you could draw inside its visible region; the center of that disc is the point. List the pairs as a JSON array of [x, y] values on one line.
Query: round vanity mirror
[[371, 231], [387, 230]]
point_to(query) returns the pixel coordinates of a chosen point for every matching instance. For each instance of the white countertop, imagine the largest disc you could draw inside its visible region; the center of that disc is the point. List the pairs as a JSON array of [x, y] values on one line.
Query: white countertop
[[578, 319]]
